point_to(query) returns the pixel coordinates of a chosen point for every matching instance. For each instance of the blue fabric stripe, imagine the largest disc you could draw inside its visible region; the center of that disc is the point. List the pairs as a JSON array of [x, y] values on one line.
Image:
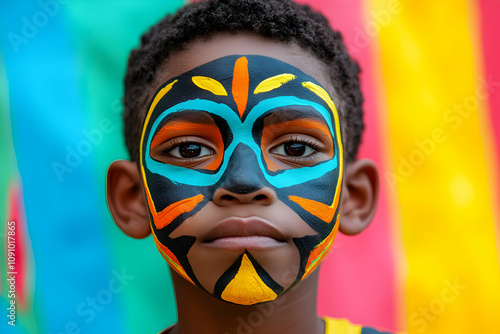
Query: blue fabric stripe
[[48, 117]]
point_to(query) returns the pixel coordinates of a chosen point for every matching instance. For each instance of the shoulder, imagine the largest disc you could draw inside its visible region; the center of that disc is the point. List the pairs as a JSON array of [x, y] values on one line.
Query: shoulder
[[343, 326], [166, 330]]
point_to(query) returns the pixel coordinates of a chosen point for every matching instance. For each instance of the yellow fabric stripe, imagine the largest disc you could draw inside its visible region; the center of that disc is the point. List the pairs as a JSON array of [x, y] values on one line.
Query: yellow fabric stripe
[[271, 83], [340, 326], [210, 84], [440, 168]]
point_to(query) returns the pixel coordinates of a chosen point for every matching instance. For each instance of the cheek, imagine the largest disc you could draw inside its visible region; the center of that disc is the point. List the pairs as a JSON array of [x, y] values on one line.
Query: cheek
[[314, 201], [171, 203]]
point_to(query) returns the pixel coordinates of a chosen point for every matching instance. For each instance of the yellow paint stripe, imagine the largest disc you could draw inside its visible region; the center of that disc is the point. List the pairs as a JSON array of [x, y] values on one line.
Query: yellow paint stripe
[[247, 288], [440, 172], [272, 83], [323, 94], [212, 85], [156, 99]]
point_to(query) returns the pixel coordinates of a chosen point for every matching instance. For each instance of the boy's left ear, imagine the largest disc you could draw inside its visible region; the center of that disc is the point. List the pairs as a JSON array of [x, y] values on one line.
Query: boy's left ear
[[359, 196]]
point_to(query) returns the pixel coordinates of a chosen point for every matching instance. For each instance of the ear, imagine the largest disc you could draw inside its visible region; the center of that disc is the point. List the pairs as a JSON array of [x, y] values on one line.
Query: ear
[[359, 196], [126, 201]]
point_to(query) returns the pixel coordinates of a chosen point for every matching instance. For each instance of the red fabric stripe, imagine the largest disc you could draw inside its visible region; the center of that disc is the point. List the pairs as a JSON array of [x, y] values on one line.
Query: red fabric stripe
[[16, 214], [490, 26], [357, 280]]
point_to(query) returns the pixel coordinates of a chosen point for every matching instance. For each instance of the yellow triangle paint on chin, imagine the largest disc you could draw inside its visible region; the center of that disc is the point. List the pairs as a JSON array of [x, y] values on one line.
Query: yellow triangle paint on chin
[[246, 288]]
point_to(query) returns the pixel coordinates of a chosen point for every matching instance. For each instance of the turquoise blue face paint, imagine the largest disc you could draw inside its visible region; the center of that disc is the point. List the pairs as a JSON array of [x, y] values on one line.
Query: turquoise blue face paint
[[239, 95], [242, 133]]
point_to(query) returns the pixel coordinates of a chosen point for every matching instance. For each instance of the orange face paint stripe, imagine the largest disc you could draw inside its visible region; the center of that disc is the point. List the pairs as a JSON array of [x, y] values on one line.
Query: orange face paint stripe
[[167, 215], [269, 132], [171, 258], [322, 211], [317, 255], [181, 128], [240, 84]]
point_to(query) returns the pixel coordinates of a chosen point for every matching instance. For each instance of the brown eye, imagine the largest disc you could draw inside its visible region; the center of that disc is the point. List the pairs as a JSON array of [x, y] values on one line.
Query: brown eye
[[190, 150], [295, 149]]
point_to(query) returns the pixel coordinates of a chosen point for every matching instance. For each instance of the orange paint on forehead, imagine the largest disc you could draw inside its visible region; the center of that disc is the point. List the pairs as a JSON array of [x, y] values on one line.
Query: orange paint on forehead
[[240, 84]]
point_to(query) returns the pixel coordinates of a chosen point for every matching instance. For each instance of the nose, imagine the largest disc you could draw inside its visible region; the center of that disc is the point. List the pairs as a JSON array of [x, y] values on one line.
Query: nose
[[243, 181]]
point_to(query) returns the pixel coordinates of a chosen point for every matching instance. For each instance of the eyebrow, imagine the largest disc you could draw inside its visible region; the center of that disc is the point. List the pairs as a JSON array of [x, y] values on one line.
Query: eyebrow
[[290, 113]]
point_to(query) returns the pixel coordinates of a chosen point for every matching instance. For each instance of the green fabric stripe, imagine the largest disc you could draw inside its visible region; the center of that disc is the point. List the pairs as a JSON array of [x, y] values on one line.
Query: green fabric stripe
[[104, 33]]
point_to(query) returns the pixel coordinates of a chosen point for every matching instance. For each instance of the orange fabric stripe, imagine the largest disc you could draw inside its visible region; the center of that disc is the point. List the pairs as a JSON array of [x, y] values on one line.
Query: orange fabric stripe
[[240, 84]]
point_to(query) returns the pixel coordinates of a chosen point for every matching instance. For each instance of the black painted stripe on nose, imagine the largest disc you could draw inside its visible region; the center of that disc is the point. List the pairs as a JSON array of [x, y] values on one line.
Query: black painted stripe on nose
[[243, 174]]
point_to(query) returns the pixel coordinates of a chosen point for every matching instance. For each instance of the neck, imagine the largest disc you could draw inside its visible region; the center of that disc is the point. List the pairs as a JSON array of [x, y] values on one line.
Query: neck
[[292, 313]]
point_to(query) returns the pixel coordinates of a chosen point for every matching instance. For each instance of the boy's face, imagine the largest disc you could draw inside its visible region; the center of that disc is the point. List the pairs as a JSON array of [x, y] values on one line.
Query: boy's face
[[241, 159]]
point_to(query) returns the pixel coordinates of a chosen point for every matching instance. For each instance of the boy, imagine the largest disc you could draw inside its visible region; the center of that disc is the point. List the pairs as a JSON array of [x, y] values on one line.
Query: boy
[[243, 119]]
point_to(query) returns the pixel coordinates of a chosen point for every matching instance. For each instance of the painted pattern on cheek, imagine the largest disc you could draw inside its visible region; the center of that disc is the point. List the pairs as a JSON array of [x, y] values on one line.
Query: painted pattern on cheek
[[321, 210], [318, 254]]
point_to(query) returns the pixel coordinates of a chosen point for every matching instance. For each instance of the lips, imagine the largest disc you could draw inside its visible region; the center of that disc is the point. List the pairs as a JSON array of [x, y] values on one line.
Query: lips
[[248, 233]]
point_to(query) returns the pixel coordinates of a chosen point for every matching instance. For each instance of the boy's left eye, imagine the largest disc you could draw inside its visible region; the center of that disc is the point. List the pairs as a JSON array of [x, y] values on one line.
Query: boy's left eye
[[293, 149]]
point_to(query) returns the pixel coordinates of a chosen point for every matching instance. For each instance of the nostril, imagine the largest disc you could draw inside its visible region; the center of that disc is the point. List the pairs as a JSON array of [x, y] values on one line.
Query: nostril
[[227, 197], [263, 196], [260, 197]]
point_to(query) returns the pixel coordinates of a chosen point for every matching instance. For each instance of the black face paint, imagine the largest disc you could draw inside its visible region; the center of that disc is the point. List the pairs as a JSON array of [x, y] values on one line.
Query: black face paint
[[214, 127]]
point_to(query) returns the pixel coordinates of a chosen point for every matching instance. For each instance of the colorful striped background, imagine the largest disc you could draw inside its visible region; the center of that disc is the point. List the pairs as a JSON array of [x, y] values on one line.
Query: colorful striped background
[[427, 264]]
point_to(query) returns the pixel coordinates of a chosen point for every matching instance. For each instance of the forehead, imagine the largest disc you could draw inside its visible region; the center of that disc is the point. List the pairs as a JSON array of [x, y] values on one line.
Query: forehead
[[247, 84], [203, 51]]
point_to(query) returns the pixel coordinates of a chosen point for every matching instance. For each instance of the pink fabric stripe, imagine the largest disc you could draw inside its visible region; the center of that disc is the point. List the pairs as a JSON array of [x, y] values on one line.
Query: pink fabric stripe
[[357, 280], [490, 25]]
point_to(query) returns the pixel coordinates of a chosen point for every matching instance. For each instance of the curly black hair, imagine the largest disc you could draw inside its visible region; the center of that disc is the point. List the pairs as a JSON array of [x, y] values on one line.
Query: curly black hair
[[281, 20]]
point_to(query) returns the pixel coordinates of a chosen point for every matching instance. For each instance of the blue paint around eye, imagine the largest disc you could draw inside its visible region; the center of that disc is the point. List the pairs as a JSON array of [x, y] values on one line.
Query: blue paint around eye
[[242, 133]]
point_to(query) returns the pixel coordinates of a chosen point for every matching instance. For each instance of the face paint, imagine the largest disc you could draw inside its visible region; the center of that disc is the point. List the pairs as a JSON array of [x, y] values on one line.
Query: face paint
[[243, 124]]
